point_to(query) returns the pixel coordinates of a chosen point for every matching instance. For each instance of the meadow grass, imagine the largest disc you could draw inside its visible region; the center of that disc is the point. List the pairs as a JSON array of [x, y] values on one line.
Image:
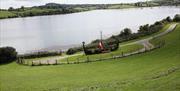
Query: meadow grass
[[6, 14], [158, 70], [121, 6]]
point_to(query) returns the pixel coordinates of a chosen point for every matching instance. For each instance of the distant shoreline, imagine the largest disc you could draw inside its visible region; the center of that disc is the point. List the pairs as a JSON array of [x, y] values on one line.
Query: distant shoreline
[[82, 11], [62, 48], [59, 9]]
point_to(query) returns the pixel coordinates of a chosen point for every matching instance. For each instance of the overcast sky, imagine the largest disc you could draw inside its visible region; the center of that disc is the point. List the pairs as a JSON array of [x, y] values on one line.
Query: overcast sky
[[18, 3]]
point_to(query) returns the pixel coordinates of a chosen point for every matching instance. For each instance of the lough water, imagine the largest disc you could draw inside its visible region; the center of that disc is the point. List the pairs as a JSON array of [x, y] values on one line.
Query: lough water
[[64, 31]]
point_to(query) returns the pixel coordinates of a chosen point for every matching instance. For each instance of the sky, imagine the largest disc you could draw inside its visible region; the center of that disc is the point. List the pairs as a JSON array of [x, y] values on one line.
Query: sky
[[5, 4]]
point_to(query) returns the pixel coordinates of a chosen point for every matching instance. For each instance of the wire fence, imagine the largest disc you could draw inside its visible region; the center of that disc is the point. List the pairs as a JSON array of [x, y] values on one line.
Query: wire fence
[[87, 59]]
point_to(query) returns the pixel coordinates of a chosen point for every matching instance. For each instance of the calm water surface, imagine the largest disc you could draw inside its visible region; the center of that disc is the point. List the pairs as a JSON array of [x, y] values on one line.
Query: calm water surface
[[64, 31]]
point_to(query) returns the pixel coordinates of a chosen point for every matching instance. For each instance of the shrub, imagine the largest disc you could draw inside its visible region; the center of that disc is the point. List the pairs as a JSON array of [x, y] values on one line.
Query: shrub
[[168, 19], [7, 54], [10, 9], [177, 18], [71, 51], [126, 32], [40, 54]]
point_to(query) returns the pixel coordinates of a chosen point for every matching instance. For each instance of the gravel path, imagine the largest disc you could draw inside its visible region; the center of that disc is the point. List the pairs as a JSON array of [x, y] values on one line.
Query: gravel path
[[145, 42]]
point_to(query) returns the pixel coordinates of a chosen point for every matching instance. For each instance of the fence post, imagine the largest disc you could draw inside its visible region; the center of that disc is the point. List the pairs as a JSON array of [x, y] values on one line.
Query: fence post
[[100, 57], [77, 60], [160, 44], [48, 62], [56, 61], [21, 61], [17, 61], [112, 56], [59, 62], [163, 43], [87, 59], [67, 61], [145, 49], [32, 63], [131, 51], [122, 54], [25, 62], [39, 62], [139, 50]]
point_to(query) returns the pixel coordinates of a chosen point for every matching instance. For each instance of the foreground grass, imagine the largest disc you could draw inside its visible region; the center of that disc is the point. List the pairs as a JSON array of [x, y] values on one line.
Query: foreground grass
[[157, 70]]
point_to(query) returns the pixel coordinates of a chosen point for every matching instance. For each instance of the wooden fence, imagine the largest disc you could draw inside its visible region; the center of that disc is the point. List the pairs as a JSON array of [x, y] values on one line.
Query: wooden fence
[[88, 59]]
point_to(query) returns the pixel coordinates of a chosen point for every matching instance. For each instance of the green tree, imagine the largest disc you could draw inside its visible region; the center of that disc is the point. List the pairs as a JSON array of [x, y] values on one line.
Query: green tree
[[144, 28], [169, 19], [7, 54], [22, 8], [176, 18], [71, 51], [125, 32], [10, 9]]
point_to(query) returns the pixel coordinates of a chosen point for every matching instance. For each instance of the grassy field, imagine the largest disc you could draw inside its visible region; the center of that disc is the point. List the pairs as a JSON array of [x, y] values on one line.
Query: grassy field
[[121, 6], [157, 70], [6, 14]]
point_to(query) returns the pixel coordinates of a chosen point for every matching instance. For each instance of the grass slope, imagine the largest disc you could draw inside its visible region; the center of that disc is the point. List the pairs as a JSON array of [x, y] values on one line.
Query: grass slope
[[6, 14], [157, 70]]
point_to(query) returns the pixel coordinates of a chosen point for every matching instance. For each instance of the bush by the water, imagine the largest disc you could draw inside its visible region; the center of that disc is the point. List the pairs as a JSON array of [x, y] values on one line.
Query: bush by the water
[[177, 18], [7, 54], [71, 51]]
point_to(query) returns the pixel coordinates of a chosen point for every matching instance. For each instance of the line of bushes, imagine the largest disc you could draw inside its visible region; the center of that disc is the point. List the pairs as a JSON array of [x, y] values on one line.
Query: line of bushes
[[9, 54], [40, 54]]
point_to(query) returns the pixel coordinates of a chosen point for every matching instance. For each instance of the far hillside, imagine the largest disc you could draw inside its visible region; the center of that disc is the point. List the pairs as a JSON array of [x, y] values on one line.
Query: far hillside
[[54, 8]]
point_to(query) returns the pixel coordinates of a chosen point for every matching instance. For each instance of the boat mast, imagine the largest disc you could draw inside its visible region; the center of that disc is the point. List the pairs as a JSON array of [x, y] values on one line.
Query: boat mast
[[101, 36]]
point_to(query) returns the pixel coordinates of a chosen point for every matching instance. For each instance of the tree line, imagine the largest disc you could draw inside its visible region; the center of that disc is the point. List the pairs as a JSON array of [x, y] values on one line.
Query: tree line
[[40, 54]]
